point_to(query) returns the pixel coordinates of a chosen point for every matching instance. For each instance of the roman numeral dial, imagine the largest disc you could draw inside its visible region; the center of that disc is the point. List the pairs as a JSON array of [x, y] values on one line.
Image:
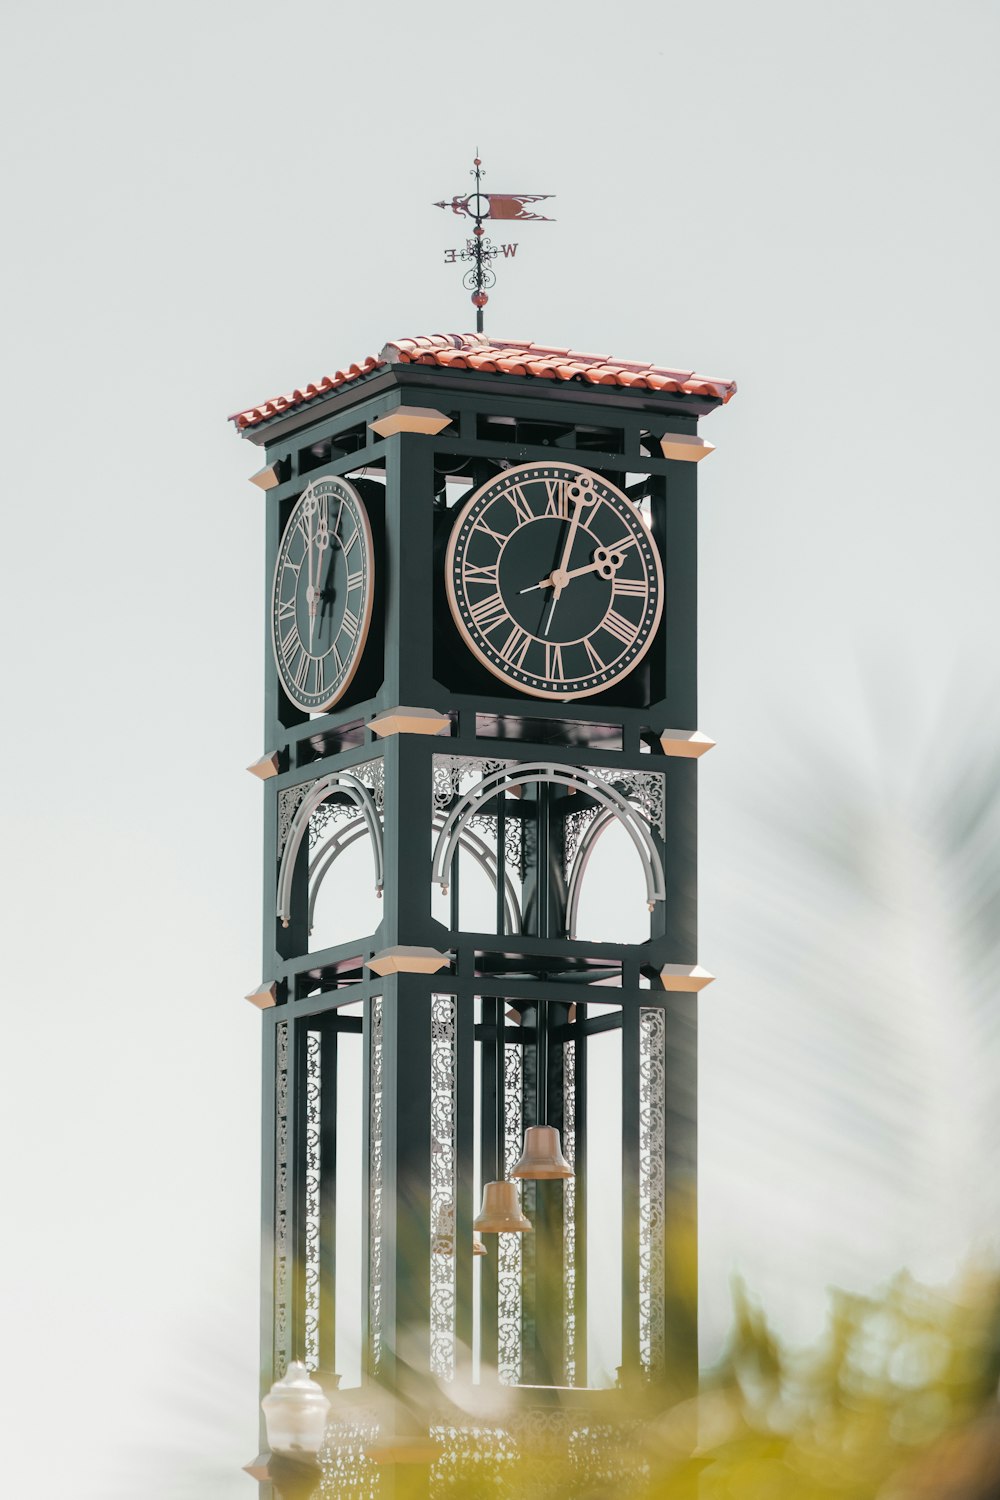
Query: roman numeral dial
[[554, 580], [322, 595]]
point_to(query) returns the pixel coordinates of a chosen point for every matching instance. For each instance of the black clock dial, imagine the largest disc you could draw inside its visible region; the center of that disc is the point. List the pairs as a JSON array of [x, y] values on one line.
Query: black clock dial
[[554, 580], [321, 602]]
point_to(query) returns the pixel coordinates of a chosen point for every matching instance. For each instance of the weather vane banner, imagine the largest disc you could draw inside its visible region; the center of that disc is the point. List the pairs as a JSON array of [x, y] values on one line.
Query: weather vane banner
[[499, 206]]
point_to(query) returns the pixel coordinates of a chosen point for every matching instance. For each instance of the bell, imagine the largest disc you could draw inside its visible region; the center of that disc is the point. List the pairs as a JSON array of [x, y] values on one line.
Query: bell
[[501, 1210], [542, 1155]]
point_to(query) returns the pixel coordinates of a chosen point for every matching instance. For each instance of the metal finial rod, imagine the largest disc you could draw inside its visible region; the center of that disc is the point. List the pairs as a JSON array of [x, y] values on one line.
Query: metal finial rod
[[479, 298]]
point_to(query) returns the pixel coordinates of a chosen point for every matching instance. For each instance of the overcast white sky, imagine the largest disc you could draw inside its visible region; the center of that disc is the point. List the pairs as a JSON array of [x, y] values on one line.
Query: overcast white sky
[[207, 204]]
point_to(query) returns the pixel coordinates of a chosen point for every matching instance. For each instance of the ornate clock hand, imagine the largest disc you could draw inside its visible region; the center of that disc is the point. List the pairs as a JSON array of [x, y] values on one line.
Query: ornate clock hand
[[311, 587], [604, 563], [581, 494], [319, 540]]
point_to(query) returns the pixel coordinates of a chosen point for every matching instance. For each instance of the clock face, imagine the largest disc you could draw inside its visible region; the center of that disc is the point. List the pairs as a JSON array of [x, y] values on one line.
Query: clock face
[[321, 601], [554, 580]]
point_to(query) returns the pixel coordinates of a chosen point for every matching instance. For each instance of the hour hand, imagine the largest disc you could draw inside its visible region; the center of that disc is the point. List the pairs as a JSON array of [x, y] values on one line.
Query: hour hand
[[607, 562]]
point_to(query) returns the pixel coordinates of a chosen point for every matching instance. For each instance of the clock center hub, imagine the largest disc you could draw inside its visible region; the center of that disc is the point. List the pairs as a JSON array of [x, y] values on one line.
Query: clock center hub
[[532, 556]]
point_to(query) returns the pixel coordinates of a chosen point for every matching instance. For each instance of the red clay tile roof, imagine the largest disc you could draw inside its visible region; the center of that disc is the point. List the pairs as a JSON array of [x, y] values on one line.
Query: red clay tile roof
[[475, 351]]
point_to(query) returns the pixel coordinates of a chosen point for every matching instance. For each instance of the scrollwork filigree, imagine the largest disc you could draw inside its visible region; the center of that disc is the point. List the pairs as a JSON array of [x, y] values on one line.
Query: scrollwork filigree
[[282, 1236], [290, 799], [569, 1212], [574, 827], [644, 789], [509, 1252], [347, 1472], [442, 1172], [454, 774], [313, 1171], [375, 1187], [652, 1187]]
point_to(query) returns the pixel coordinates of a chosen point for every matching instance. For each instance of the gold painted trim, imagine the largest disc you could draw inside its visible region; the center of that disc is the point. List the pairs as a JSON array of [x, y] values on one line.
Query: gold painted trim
[[265, 997], [686, 977], [425, 419], [685, 447], [406, 960], [266, 479], [688, 743], [268, 766], [258, 1468], [456, 614], [409, 721]]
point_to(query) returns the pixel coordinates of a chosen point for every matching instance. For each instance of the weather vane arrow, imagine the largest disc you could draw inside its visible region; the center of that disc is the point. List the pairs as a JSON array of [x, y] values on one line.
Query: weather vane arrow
[[479, 250]]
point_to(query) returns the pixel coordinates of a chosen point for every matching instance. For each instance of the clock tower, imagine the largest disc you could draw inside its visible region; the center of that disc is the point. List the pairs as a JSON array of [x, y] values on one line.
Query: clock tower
[[480, 714]]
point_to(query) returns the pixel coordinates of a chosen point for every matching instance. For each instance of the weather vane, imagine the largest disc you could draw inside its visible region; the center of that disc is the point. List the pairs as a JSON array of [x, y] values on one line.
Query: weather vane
[[479, 250]]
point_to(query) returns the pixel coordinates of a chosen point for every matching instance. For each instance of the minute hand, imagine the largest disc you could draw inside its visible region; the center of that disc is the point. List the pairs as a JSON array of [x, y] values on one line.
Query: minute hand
[[559, 575]]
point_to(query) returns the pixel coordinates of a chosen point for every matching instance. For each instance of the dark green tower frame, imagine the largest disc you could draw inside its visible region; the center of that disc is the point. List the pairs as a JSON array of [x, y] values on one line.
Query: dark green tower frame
[[414, 659]]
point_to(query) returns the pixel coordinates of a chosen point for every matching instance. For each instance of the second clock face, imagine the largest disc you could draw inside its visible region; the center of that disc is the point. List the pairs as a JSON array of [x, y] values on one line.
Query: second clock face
[[554, 580], [321, 601]]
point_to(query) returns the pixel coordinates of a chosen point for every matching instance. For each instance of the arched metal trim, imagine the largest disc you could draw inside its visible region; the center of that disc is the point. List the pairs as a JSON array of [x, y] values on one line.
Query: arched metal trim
[[573, 777], [602, 821], [356, 793], [342, 838]]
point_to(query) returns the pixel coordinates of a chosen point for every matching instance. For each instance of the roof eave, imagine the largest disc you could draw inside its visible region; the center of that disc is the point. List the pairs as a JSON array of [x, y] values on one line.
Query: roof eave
[[438, 377]]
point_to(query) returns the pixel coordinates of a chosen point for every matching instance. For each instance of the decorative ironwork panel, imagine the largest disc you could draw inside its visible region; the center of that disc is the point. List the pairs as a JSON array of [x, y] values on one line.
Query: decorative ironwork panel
[[347, 1472], [513, 850], [646, 790], [375, 1188], [569, 1211], [313, 1170], [534, 1453], [443, 1154], [290, 799], [282, 1217], [652, 1201], [509, 1249], [371, 773], [574, 827], [476, 1457], [455, 774], [601, 784]]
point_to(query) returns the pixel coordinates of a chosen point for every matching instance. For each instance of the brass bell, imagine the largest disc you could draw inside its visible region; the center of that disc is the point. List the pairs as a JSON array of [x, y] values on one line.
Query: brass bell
[[501, 1210], [542, 1155]]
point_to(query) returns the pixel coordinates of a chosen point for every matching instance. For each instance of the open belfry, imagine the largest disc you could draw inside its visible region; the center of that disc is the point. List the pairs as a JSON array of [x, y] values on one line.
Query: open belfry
[[481, 740]]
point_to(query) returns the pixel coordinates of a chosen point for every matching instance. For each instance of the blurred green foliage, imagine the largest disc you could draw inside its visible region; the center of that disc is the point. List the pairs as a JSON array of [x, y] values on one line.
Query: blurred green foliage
[[897, 1402]]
